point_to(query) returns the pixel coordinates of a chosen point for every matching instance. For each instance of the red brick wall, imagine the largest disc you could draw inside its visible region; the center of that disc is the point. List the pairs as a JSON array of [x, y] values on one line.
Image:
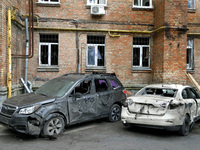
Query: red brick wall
[[168, 46]]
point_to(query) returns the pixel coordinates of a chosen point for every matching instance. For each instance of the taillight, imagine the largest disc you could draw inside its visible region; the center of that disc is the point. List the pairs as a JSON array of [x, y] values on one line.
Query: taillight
[[125, 92]]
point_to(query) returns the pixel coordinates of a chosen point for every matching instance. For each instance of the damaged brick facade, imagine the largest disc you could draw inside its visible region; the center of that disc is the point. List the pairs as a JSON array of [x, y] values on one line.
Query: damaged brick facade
[[167, 24]]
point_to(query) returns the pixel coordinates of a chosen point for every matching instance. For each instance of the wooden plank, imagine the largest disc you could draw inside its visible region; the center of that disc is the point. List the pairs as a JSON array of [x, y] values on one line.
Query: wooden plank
[[191, 78]]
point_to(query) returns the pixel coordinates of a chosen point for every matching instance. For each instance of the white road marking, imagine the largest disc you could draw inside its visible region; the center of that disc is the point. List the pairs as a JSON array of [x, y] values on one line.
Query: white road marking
[[79, 129]]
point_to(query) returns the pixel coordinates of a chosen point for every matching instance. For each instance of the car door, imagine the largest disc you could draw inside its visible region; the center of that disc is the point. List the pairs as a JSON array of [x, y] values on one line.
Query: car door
[[82, 102], [191, 102], [195, 95], [103, 95]]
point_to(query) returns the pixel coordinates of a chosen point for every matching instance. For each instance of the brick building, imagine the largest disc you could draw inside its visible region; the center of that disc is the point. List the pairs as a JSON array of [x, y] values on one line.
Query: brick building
[[142, 41]]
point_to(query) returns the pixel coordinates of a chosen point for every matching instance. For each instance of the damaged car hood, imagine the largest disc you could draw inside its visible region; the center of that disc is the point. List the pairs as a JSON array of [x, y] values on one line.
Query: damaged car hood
[[28, 99]]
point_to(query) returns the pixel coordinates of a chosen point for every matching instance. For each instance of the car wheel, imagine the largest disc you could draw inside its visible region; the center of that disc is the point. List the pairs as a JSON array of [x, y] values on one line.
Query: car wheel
[[185, 128], [54, 126], [115, 113]]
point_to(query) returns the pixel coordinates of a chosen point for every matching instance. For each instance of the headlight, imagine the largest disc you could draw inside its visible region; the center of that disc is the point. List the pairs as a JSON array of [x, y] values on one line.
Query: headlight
[[28, 110]]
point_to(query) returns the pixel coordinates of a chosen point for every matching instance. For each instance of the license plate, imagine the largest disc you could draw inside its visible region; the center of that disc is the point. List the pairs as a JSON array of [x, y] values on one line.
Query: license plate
[[4, 120]]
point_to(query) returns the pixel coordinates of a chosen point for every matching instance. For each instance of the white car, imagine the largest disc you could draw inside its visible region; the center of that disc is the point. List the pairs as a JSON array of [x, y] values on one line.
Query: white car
[[172, 107]]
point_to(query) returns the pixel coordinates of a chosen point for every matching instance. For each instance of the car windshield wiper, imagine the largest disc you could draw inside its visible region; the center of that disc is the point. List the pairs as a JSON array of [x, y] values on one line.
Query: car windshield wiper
[[43, 94]]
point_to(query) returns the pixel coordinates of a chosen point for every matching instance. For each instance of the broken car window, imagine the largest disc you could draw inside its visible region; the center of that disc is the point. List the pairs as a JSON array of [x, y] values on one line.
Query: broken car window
[[101, 85], [160, 92], [82, 89], [114, 84]]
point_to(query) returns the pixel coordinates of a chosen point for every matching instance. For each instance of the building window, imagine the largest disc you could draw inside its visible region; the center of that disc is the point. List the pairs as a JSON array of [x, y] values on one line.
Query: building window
[[191, 4], [48, 50], [95, 51], [142, 4], [190, 54], [141, 52], [49, 1], [96, 2]]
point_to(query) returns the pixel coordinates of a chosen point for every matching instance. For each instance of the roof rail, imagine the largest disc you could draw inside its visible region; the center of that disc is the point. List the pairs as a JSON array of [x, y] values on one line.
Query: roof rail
[[74, 74], [104, 74]]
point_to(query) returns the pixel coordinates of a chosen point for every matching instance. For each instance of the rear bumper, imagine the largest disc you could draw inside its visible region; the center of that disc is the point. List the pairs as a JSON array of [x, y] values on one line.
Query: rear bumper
[[170, 121]]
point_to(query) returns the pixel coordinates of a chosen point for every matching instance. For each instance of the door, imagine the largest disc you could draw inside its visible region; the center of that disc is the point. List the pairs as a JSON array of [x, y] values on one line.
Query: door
[[82, 103], [103, 96], [191, 101]]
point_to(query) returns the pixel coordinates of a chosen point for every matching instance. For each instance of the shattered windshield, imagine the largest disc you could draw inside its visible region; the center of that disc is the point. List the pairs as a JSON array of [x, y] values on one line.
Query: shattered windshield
[[159, 92], [55, 88]]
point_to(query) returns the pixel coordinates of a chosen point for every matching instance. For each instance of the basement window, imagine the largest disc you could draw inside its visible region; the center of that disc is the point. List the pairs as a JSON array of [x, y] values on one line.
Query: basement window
[[97, 2], [142, 4], [95, 51], [190, 54], [48, 50], [141, 53]]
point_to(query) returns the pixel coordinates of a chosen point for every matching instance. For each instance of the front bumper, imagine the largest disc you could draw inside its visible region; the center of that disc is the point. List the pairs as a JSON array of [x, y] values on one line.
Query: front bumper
[[171, 120], [28, 124]]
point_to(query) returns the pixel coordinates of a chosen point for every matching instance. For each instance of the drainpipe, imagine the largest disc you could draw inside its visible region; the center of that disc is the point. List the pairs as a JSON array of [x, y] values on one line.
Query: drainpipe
[[9, 76], [27, 52]]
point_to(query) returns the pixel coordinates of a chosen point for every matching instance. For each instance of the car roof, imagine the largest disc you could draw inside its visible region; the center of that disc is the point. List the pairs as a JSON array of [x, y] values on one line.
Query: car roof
[[78, 76], [172, 86]]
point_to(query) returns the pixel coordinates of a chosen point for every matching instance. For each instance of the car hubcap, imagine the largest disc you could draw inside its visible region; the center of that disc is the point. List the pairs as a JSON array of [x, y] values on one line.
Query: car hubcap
[[54, 127], [115, 114]]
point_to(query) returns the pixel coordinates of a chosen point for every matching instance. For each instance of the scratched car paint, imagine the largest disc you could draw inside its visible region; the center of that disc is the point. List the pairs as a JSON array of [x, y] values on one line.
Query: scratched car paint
[[170, 107], [64, 101]]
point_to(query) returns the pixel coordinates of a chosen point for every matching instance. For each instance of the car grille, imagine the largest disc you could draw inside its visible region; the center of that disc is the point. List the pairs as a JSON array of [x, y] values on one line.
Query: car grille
[[8, 110]]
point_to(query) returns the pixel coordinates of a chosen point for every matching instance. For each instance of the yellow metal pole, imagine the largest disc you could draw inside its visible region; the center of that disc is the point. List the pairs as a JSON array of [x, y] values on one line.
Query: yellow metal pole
[[9, 77]]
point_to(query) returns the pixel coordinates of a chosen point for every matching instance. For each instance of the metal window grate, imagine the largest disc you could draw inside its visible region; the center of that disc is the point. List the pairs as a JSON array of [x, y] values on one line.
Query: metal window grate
[[95, 39], [140, 41], [49, 38]]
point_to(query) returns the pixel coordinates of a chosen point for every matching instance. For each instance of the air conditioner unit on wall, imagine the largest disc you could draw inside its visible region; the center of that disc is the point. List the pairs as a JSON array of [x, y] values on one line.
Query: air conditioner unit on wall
[[97, 10]]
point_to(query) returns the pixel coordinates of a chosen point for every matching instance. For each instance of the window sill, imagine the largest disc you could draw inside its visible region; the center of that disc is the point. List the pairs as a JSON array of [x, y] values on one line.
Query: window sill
[[48, 69], [96, 69], [140, 70], [50, 4], [192, 10], [190, 71], [142, 8], [88, 6]]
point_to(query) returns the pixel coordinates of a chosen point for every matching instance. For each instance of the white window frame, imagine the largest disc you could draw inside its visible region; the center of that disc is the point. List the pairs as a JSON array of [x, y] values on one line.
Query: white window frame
[[193, 4], [141, 56], [190, 45], [48, 2], [95, 2], [96, 54], [49, 53], [140, 4]]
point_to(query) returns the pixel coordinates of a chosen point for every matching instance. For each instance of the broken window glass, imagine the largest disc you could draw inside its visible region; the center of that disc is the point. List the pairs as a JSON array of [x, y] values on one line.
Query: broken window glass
[[48, 49], [96, 51], [141, 52], [142, 3], [114, 84], [190, 54], [101, 85], [191, 4]]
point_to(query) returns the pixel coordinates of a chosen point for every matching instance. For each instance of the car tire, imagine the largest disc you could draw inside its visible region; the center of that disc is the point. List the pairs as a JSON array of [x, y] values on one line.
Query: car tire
[[54, 126], [185, 128], [115, 113]]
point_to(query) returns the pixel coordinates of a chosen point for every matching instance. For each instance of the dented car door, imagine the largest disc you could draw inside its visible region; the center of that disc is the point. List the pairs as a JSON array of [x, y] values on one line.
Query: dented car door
[[103, 96], [82, 103]]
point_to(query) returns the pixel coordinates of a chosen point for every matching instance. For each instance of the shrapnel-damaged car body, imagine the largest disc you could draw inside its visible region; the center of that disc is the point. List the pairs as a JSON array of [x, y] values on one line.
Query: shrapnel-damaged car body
[[170, 107], [64, 101]]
